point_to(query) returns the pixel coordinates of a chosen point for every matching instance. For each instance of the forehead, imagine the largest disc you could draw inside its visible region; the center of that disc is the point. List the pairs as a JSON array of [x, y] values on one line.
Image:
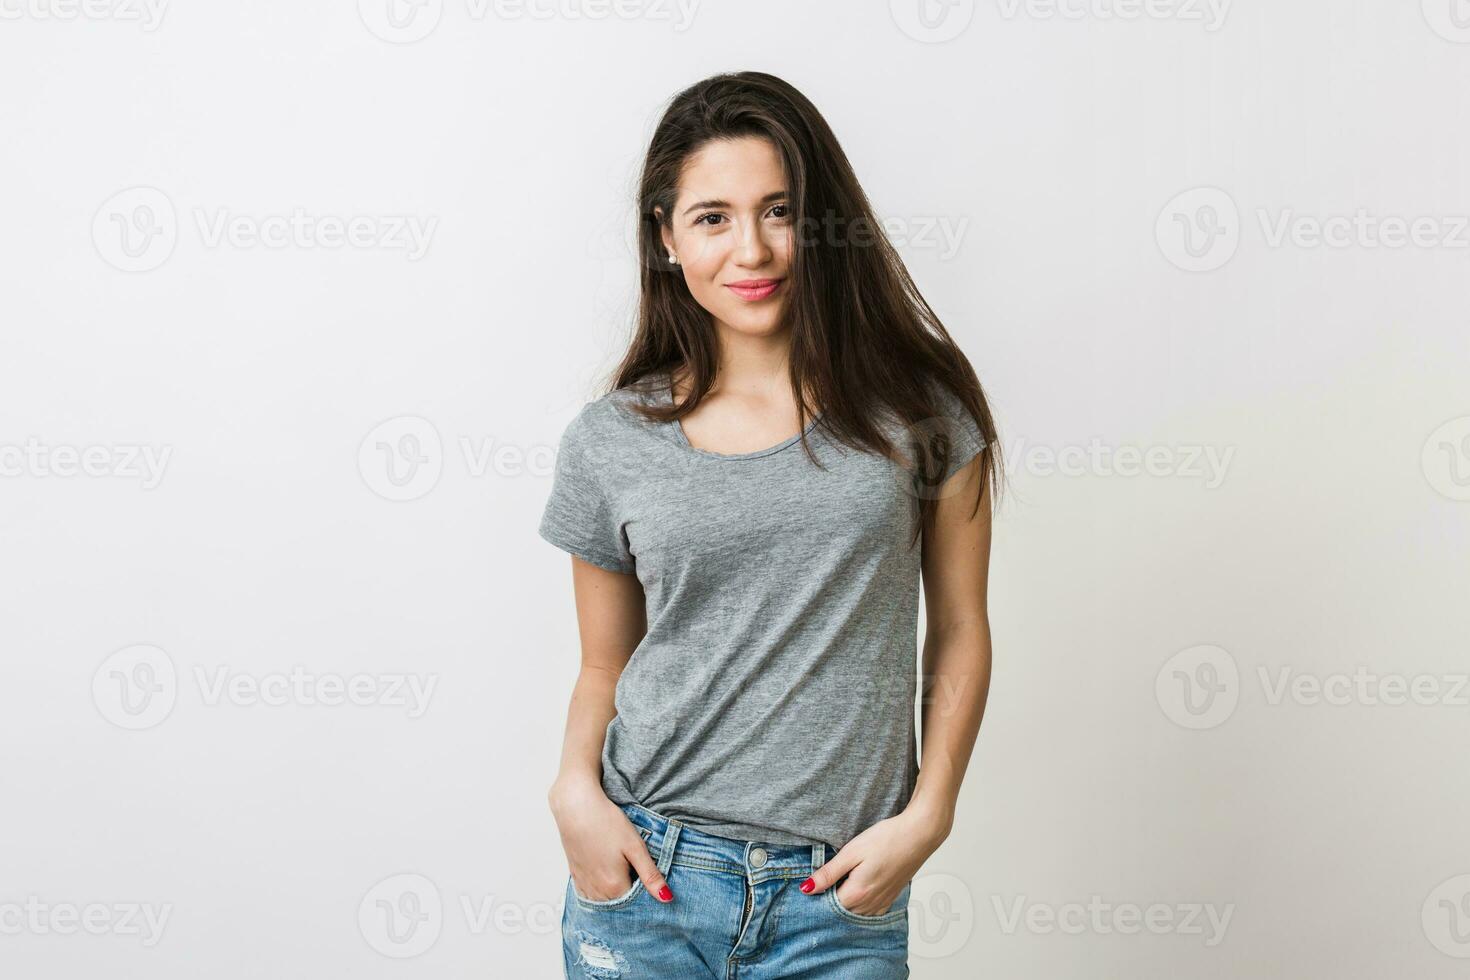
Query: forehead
[[746, 168]]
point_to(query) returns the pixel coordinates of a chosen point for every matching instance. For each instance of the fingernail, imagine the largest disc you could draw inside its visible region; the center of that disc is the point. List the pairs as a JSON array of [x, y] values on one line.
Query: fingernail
[[808, 885], [665, 894]]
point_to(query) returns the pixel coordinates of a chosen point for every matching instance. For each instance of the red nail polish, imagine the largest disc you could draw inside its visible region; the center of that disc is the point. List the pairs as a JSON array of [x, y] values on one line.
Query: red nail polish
[[665, 894], [808, 885]]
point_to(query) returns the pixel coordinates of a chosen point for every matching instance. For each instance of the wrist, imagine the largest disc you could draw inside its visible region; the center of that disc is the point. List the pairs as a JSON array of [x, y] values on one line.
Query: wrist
[[571, 787], [933, 819]]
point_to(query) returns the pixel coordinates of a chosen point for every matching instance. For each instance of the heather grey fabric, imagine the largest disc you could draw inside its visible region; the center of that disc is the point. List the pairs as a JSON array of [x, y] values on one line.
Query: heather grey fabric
[[772, 697]]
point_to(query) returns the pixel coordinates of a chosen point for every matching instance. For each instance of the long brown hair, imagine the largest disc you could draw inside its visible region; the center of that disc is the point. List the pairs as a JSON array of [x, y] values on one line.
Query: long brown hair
[[863, 340]]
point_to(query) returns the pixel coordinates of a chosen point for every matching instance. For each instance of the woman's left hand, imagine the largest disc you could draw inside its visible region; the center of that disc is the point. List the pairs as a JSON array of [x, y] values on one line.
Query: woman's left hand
[[878, 862]]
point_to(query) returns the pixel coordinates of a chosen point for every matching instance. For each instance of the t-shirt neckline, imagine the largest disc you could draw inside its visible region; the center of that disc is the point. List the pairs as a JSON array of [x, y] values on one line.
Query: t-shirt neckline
[[684, 439]]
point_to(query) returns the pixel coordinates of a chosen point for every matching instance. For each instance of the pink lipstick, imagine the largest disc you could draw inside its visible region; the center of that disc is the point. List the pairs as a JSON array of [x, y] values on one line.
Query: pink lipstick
[[752, 290]]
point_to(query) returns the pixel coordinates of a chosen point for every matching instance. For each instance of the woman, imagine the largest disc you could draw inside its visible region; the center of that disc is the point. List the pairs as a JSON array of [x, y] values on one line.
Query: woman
[[791, 440]]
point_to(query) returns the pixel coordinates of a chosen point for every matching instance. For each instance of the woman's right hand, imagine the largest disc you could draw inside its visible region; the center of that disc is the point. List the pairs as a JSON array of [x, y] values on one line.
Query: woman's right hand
[[601, 842]]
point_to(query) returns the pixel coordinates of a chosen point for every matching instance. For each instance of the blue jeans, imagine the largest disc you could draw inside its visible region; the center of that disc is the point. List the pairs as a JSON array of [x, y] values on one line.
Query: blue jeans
[[738, 912]]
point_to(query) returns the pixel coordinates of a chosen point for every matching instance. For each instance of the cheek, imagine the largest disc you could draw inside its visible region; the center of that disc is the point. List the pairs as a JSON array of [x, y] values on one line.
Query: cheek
[[704, 263], [702, 279]]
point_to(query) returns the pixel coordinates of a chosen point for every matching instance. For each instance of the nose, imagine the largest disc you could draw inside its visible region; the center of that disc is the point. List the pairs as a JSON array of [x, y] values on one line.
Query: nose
[[753, 250]]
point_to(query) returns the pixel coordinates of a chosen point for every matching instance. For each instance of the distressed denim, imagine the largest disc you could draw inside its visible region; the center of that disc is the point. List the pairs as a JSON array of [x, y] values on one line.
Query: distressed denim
[[738, 912]]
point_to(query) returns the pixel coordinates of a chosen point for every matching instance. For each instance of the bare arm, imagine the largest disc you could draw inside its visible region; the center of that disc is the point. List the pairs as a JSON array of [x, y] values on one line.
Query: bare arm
[[610, 622], [599, 840], [956, 670], [957, 656]]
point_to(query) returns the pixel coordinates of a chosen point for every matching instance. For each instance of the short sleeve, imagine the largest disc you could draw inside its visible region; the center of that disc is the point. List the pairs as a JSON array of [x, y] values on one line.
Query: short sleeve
[[965, 439], [577, 518]]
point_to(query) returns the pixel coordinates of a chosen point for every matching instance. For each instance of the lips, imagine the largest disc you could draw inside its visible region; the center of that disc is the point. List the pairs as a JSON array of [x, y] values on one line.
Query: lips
[[752, 290]]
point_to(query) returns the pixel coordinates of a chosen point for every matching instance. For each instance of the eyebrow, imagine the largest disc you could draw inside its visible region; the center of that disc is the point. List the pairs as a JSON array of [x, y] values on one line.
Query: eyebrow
[[773, 196]]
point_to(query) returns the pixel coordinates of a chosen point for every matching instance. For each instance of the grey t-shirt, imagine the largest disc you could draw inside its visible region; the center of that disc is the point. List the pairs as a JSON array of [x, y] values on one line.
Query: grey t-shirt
[[772, 697]]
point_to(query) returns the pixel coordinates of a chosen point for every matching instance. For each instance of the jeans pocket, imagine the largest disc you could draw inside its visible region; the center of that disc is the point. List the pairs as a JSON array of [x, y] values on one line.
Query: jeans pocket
[[896, 912], [612, 903]]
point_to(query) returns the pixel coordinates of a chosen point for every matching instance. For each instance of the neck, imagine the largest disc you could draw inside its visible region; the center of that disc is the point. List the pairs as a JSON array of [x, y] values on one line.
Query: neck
[[755, 364]]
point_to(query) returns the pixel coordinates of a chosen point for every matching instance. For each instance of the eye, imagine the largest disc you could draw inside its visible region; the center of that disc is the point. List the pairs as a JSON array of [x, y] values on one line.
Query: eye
[[785, 210], [700, 220]]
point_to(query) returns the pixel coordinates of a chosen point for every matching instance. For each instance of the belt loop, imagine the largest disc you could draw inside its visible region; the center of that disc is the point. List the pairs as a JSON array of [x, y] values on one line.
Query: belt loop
[[671, 839], [819, 855]]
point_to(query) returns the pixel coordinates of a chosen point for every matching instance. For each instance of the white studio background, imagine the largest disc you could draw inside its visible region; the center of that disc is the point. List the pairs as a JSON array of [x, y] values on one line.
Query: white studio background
[[298, 297]]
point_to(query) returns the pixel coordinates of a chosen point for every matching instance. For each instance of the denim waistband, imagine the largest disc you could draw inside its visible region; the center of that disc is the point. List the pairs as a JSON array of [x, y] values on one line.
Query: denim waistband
[[672, 842]]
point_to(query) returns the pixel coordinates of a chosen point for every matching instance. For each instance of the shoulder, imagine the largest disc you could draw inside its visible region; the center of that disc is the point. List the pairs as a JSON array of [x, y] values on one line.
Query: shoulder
[[949, 407], [607, 420], [943, 438], [944, 407], [945, 401]]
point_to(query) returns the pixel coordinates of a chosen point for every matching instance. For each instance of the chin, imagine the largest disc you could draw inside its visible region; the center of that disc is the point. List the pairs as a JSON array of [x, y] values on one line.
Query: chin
[[753, 322]]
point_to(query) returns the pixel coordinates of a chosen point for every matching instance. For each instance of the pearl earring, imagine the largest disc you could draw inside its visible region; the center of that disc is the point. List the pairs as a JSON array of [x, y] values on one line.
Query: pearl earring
[[673, 258]]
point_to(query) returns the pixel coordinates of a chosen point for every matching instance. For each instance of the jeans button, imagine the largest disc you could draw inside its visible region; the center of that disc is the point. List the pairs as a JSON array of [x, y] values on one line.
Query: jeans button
[[757, 857]]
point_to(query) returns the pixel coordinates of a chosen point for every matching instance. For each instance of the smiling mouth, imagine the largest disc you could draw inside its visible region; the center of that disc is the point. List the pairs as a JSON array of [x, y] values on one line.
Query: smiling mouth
[[754, 289]]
